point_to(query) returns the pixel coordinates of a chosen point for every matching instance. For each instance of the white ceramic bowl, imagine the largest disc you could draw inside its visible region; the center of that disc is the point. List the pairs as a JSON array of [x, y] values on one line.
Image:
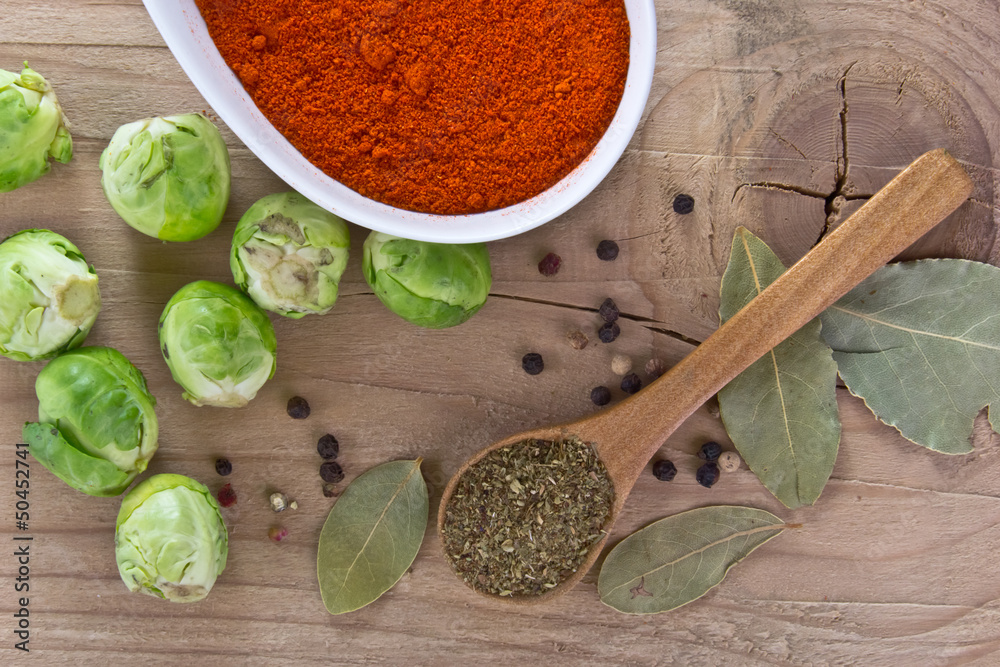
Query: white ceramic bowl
[[184, 31]]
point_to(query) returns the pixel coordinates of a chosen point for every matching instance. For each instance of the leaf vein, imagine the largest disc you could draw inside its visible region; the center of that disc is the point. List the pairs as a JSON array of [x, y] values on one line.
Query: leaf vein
[[972, 361], [944, 385], [701, 550], [378, 522], [873, 320]]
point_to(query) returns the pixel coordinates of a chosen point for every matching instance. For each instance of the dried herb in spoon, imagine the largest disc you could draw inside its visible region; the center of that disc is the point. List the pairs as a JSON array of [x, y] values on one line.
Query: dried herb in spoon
[[524, 517]]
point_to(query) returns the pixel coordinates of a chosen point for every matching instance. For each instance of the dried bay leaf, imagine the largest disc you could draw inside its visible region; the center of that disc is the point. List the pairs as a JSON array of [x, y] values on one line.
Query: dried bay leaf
[[920, 343], [678, 559], [372, 535], [781, 412]]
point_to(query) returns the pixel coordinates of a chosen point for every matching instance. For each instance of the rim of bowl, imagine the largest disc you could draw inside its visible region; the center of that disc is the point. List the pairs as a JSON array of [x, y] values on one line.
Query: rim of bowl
[[185, 33]]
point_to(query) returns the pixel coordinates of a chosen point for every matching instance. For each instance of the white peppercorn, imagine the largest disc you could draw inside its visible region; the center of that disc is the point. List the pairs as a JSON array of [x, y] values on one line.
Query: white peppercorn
[[279, 502], [729, 461], [621, 364]]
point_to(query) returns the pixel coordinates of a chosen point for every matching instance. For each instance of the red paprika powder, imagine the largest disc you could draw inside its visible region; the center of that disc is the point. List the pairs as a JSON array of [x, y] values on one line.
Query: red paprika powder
[[438, 106]]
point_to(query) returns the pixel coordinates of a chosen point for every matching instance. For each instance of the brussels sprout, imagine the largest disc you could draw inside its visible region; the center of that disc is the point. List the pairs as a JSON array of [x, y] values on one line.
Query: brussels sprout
[[288, 254], [170, 539], [50, 296], [168, 177], [434, 285], [219, 345], [33, 128], [96, 426]]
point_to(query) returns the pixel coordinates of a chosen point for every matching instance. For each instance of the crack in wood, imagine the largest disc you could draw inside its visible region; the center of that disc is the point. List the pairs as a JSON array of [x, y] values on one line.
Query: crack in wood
[[787, 143], [913, 489], [543, 302], [652, 325], [836, 199], [642, 236], [788, 187], [676, 335], [902, 84], [776, 185]]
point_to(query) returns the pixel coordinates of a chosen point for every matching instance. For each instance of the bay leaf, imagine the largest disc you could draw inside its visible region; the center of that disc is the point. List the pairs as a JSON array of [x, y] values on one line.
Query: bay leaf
[[920, 343], [676, 560], [372, 535], [781, 412]]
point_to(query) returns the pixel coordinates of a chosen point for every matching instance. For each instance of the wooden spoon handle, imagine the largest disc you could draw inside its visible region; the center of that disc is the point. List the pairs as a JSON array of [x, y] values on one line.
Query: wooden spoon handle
[[906, 208]]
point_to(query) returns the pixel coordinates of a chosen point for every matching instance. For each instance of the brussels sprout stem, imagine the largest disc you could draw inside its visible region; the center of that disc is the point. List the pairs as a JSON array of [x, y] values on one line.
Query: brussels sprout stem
[[77, 298]]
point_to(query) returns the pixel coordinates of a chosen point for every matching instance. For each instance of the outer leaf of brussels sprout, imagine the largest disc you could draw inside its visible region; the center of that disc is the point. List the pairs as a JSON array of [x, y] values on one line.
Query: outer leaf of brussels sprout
[[429, 313], [91, 474], [433, 285], [168, 177], [98, 427], [50, 296], [219, 345], [33, 128], [170, 539], [288, 254]]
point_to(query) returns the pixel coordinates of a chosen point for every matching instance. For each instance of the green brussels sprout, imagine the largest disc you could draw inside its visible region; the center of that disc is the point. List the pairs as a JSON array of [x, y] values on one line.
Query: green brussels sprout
[[434, 285], [97, 425], [33, 128], [219, 345], [50, 295], [288, 254], [170, 539], [168, 177]]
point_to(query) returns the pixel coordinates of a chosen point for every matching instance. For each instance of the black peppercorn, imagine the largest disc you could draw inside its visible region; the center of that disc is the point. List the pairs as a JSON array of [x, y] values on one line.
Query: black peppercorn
[[328, 447], [600, 395], [532, 363], [223, 467], [607, 250], [708, 474], [631, 383], [549, 265], [664, 470], [331, 472], [608, 310], [298, 407], [710, 451], [683, 204], [608, 332]]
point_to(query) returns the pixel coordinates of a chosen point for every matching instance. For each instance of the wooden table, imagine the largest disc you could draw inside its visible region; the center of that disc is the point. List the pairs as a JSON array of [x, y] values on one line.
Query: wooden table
[[780, 116]]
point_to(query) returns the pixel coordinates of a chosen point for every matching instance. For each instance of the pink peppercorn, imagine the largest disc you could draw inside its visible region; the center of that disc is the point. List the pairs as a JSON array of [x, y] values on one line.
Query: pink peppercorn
[[277, 533], [549, 265], [227, 497]]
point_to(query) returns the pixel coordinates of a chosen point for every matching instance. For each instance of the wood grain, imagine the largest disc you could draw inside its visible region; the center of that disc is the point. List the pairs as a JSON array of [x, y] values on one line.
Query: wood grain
[[627, 435], [896, 564]]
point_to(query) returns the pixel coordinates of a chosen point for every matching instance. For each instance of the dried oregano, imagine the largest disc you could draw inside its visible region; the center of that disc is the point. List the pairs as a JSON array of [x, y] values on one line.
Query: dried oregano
[[524, 517]]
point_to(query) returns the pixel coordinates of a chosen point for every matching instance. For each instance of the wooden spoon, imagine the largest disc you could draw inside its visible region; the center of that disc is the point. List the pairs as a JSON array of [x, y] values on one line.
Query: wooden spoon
[[628, 434]]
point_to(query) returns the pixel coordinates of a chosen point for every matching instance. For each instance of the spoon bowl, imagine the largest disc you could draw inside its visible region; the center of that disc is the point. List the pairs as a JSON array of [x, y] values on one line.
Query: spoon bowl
[[627, 435]]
